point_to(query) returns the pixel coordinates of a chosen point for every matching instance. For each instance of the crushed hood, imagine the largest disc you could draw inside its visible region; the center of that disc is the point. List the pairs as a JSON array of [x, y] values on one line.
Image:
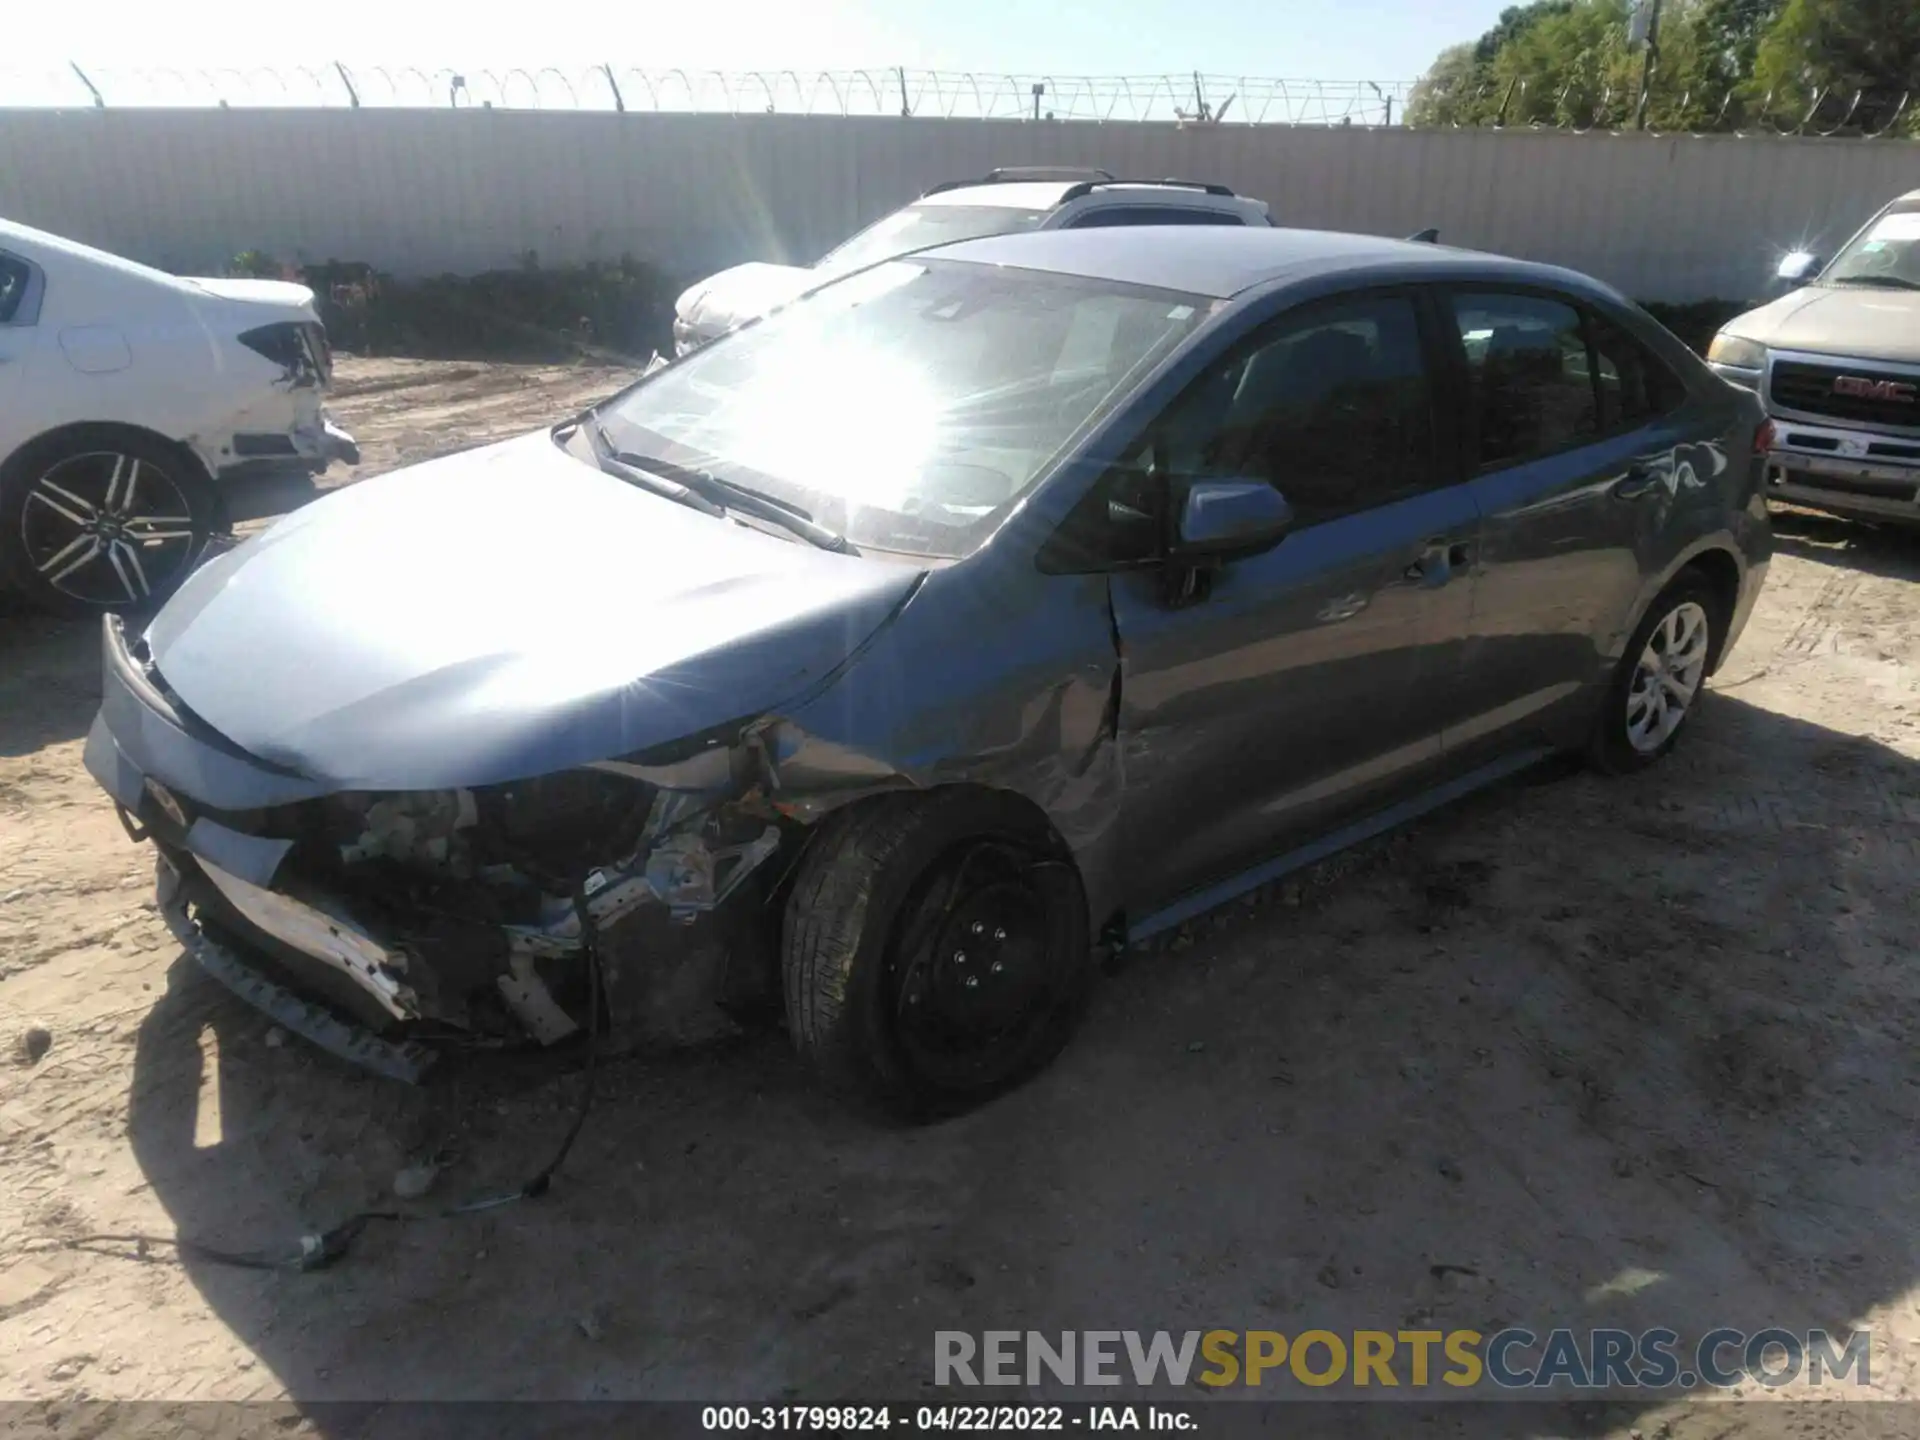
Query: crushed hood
[[1845, 321], [731, 298], [503, 613]]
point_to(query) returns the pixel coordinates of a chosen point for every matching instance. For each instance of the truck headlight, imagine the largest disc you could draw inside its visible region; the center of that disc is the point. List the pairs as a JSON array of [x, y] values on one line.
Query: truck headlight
[[1740, 353]]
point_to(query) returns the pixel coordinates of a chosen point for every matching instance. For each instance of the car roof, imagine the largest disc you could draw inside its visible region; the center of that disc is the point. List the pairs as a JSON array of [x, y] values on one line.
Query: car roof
[[26, 238], [1223, 260]]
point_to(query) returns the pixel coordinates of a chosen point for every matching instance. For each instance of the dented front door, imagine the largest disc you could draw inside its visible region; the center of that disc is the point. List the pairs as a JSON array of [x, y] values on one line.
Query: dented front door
[[1299, 687], [1301, 691]]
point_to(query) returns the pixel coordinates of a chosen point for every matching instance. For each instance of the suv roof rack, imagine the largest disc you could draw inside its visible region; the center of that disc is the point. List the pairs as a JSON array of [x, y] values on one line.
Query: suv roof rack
[[1021, 174], [1017, 173], [1085, 180], [1087, 187]]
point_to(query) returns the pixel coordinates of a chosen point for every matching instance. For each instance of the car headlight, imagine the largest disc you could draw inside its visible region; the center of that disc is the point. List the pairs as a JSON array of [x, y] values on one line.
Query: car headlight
[[1740, 353]]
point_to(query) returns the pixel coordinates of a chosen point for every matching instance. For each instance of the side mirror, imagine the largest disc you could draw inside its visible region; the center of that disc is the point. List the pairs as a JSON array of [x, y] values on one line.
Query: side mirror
[[1225, 519], [1799, 267]]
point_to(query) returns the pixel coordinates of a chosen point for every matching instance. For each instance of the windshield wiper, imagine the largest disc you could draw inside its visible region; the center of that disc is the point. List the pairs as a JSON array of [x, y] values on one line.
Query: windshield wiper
[[700, 488], [1890, 282], [617, 463], [734, 496]]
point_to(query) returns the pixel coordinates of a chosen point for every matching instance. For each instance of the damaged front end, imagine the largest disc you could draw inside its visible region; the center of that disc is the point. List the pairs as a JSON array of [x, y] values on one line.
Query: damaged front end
[[456, 916], [385, 926]]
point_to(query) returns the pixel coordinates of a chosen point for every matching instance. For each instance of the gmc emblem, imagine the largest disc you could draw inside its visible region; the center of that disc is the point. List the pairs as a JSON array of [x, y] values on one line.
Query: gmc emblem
[[1903, 392]]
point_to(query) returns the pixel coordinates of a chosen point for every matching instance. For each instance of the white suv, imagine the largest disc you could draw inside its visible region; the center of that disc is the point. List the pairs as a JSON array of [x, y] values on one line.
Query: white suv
[[1004, 202]]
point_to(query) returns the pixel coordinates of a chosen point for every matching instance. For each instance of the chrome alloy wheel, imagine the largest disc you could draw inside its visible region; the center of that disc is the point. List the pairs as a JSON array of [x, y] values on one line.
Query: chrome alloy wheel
[[1668, 676], [107, 529]]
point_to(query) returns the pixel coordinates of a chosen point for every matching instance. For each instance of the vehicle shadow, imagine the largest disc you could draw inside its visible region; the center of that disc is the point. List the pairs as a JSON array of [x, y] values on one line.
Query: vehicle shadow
[[49, 678], [1579, 1052], [1827, 540]]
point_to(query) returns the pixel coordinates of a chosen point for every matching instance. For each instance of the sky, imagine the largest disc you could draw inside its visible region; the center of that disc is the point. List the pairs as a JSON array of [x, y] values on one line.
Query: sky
[[1344, 40]]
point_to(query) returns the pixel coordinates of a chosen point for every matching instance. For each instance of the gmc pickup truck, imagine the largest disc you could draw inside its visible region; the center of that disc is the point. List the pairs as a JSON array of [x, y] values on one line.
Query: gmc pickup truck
[[1837, 363]]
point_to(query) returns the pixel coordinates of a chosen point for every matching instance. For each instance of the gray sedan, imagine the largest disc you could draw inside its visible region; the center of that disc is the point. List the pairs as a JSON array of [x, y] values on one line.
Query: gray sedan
[[883, 661]]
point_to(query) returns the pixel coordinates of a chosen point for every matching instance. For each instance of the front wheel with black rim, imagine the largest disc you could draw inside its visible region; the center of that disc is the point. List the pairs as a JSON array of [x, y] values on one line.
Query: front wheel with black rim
[[1658, 684], [935, 951], [102, 520]]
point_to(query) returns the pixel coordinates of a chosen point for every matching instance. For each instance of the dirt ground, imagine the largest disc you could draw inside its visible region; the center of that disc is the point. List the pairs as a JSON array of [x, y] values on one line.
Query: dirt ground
[[1577, 1052]]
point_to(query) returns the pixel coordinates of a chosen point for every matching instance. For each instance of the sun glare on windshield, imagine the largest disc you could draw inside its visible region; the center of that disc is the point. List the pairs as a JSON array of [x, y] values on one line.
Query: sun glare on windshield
[[906, 406]]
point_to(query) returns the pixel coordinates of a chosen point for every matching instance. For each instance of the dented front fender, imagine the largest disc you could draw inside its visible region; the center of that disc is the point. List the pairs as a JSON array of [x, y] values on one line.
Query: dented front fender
[[1011, 681]]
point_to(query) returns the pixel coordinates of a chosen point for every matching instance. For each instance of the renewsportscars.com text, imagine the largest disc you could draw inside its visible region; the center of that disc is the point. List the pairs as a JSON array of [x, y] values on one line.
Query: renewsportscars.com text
[[1515, 1358]]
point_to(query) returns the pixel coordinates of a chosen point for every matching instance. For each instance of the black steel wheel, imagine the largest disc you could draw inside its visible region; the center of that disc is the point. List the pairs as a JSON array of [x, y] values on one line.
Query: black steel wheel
[[105, 520], [935, 950]]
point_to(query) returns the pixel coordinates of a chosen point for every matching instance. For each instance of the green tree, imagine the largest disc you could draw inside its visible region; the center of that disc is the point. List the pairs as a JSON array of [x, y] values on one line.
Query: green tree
[[1717, 68], [1566, 62], [1445, 95], [1842, 61], [1461, 86], [1721, 63]]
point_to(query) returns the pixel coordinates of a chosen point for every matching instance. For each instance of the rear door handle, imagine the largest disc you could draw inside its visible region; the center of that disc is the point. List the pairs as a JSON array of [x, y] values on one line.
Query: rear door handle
[[1638, 484]]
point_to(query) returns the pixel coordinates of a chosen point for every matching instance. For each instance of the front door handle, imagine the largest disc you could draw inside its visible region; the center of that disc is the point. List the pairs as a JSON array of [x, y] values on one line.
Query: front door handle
[[1637, 484]]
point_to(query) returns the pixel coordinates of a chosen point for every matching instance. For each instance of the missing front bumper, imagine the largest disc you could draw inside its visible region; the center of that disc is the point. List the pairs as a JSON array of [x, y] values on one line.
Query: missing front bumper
[[377, 990], [378, 926]]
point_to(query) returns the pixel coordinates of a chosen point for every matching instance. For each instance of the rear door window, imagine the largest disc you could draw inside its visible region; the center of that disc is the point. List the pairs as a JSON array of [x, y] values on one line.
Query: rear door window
[[1531, 384]]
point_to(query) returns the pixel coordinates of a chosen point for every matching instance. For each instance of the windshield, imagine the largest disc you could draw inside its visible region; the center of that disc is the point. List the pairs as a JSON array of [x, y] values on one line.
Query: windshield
[[919, 226], [908, 406], [1887, 252]]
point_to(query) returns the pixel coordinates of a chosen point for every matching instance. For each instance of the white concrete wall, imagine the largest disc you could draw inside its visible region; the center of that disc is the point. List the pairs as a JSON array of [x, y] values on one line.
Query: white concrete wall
[[414, 191]]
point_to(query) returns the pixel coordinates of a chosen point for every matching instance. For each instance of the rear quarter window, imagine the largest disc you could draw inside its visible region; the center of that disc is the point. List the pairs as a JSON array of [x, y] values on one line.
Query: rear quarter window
[[1635, 385]]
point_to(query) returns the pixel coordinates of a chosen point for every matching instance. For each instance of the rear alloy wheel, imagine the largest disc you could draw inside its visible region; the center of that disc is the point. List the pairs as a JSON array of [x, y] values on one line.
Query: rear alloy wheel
[[92, 526], [1660, 679], [935, 951]]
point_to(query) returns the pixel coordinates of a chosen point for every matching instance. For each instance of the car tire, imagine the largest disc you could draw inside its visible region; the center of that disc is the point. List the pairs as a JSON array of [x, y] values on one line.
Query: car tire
[[1661, 678], [935, 951], [98, 519]]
